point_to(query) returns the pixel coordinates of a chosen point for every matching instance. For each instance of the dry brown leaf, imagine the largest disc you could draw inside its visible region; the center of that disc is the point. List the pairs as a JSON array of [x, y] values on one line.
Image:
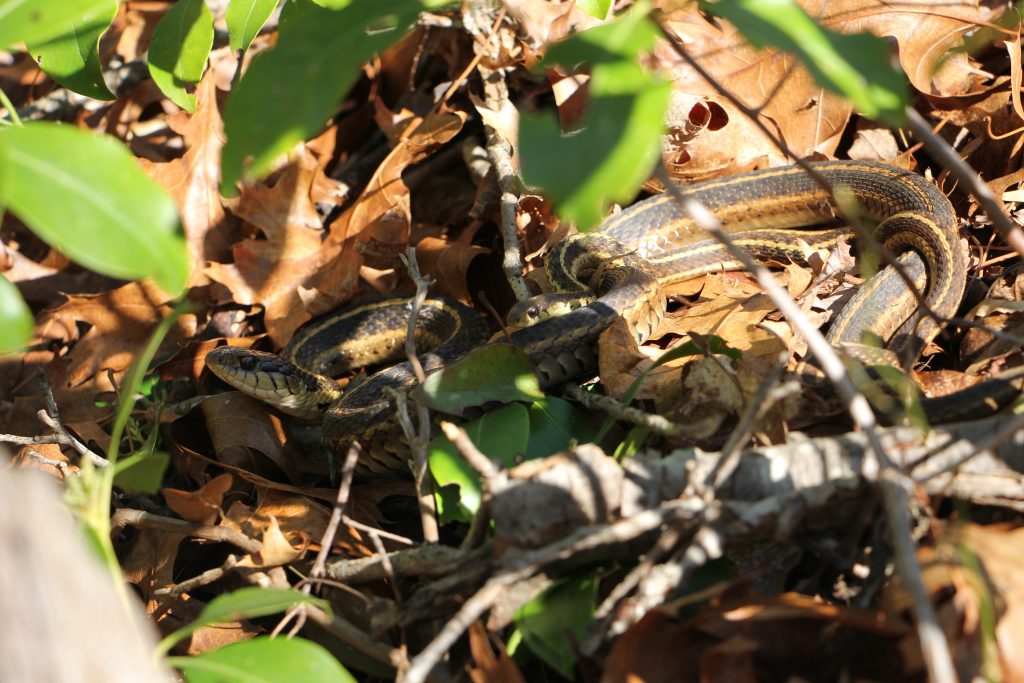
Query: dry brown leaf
[[301, 521], [731, 307], [119, 325], [380, 216], [270, 272], [545, 22], [621, 361], [215, 636], [194, 179], [808, 118], [202, 506], [490, 667], [995, 583], [874, 144], [276, 551], [1000, 548], [790, 635], [148, 562], [448, 263], [245, 435]]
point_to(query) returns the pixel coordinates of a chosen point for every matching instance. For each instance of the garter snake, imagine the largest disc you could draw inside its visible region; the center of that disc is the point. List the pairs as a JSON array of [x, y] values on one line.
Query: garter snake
[[635, 254]]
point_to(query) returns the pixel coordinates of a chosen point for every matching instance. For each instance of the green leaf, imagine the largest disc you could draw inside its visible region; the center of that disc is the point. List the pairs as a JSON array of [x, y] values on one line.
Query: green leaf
[[181, 44], [15, 318], [243, 603], [142, 472], [554, 620], [264, 660], [289, 93], [73, 59], [595, 8], [501, 435], [620, 135], [856, 66], [36, 21], [496, 372], [110, 217], [555, 425], [509, 434], [245, 19]]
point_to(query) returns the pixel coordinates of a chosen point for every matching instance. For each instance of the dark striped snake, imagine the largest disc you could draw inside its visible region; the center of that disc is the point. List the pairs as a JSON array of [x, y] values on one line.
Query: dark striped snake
[[634, 254]]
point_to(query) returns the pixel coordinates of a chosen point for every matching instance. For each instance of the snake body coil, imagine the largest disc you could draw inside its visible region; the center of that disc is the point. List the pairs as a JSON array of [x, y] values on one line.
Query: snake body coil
[[648, 245]]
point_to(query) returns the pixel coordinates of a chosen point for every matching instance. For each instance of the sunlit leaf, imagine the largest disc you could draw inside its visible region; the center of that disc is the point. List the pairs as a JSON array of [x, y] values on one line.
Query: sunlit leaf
[[73, 59], [110, 217], [181, 44], [15, 318], [496, 372], [619, 139], [36, 21], [288, 93], [264, 660], [245, 19]]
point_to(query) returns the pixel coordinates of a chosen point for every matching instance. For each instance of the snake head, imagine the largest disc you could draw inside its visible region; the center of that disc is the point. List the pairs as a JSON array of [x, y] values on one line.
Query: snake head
[[273, 380]]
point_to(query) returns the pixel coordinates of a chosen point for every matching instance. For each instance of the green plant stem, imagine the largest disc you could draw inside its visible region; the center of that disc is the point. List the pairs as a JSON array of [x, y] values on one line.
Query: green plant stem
[[90, 496], [11, 111]]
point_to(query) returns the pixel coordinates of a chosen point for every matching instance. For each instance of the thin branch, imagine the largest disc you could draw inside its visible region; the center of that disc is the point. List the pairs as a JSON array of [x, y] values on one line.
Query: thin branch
[[337, 513], [419, 436], [218, 534], [948, 157], [619, 411]]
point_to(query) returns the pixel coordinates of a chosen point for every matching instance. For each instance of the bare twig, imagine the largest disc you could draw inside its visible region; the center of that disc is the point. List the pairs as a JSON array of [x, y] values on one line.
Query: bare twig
[[949, 159], [476, 605], [146, 520], [337, 513], [499, 149], [491, 480], [419, 437], [348, 633], [617, 410], [60, 436], [204, 579], [768, 394]]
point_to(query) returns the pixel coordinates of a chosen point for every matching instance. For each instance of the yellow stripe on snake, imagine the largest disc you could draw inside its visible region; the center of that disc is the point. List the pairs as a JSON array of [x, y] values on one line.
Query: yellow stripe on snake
[[626, 262]]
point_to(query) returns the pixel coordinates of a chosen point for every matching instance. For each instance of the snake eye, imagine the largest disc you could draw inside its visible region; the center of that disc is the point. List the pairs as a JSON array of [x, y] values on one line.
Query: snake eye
[[533, 312], [247, 363]]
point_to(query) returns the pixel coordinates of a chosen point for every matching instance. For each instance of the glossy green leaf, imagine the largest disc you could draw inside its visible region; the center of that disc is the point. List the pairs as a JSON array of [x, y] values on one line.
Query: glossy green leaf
[[110, 216], [289, 93], [36, 21], [501, 435], [264, 660], [243, 603], [245, 19], [856, 66], [181, 44], [557, 618], [73, 59], [496, 372], [15, 318], [619, 139]]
